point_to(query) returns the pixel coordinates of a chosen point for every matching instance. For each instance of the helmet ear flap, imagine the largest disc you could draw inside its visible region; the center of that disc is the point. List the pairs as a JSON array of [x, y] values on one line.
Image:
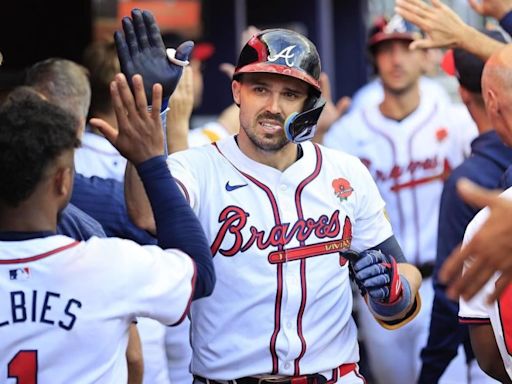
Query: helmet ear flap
[[300, 127]]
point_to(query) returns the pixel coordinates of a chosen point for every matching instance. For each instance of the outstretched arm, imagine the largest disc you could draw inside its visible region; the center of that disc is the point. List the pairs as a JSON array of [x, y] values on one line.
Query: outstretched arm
[[490, 248], [444, 28], [140, 139], [141, 51]]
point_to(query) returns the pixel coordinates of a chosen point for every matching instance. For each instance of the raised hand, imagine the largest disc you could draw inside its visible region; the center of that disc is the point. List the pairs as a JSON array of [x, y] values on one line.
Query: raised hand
[[332, 112], [141, 51], [444, 28], [490, 249], [181, 105]]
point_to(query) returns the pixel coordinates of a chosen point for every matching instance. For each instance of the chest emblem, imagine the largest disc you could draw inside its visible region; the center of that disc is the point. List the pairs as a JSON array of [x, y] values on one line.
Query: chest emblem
[[342, 188], [441, 134]]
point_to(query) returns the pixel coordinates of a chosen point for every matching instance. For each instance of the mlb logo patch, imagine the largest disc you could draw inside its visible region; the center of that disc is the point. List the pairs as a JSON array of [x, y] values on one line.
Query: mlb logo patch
[[19, 273]]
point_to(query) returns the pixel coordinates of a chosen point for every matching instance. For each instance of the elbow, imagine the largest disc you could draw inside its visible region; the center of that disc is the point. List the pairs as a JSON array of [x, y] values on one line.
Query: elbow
[[210, 280], [205, 282]]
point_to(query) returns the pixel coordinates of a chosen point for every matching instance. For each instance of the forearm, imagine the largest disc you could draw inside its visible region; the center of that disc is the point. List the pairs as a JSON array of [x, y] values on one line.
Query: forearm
[[397, 314], [478, 44], [177, 135], [487, 353], [177, 225], [134, 356], [137, 203]]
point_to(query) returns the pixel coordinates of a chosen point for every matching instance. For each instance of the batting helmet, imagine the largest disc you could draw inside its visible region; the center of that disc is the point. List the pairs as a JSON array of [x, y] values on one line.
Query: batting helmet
[[288, 53]]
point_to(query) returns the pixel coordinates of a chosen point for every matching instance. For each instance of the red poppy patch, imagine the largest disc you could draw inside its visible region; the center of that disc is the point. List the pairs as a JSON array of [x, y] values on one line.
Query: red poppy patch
[[441, 134], [342, 188]]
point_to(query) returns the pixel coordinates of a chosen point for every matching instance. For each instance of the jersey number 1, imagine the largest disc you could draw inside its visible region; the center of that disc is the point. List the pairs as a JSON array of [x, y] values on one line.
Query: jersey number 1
[[23, 367]]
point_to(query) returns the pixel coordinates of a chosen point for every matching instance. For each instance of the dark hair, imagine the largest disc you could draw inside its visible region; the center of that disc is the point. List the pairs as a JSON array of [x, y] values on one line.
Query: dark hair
[[100, 58], [33, 133]]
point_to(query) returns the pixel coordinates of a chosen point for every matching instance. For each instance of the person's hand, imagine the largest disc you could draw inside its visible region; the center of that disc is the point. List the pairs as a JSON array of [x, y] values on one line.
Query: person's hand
[[444, 28], [141, 51], [331, 111], [492, 8], [376, 274], [139, 136], [181, 105], [490, 249]]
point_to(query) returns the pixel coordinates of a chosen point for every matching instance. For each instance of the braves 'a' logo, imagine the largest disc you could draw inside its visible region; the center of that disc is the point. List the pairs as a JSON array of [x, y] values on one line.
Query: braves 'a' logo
[[286, 54], [342, 188]]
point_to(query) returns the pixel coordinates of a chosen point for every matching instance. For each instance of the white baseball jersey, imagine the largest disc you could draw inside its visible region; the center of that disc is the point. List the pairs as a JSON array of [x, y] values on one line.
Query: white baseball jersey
[[97, 157], [373, 92], [66, 306], [499, 313], [282, 303], [409, 160], [208, 133]]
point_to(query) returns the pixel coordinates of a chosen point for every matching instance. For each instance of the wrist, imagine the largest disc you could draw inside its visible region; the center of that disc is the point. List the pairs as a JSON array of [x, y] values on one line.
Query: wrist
[[394, 309]]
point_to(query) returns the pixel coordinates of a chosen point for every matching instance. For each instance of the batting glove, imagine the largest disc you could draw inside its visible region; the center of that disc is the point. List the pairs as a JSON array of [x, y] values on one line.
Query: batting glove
[[377, 275], [141, 50]]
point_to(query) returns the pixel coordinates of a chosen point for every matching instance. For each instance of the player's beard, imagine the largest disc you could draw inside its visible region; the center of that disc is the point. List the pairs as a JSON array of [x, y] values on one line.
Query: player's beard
[[268, 142]]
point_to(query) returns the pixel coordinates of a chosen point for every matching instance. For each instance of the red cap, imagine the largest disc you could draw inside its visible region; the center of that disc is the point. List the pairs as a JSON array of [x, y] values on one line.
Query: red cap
[[395, 28]]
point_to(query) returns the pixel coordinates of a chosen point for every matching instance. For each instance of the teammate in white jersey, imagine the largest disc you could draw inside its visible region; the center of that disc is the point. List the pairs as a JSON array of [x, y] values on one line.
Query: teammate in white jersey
[[409, 142], [67, 305], [277, 210], [489, 323]]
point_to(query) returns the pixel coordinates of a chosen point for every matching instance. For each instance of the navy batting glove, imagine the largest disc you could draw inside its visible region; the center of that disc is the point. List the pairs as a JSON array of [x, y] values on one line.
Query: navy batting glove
[[378, 274], [141, 50]]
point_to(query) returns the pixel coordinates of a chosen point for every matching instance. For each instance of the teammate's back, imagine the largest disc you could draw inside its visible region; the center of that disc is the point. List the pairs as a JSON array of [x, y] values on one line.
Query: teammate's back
[[67, 305]]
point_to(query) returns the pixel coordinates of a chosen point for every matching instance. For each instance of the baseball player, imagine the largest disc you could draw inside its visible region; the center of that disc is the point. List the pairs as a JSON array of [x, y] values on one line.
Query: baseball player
[[67, 304], [409, 143], [490, 157], [489, 323], [283, 210]]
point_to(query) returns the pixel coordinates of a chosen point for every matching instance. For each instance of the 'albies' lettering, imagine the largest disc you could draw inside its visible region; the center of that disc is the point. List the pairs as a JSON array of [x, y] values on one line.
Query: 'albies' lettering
[[41, 308]]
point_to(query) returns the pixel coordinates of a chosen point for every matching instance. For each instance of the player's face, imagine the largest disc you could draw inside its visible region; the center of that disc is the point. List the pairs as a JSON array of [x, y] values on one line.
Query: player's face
[[266, 100], [399, 67]]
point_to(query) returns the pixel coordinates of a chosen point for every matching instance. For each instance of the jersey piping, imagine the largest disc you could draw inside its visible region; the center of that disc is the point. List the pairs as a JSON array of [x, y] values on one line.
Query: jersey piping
[[40, 256]]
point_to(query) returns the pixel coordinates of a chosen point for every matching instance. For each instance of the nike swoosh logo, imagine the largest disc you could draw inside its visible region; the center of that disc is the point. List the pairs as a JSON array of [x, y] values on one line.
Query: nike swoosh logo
[[230, 188]]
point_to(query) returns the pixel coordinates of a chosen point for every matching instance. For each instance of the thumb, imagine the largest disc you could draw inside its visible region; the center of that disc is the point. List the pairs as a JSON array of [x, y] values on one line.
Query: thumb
[[422, 44], [184, 50], [106, 129], [474, 194]]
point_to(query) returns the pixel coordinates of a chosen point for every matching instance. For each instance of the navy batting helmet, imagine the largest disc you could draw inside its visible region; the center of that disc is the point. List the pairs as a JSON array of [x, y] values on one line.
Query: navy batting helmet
[[288, 53]]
